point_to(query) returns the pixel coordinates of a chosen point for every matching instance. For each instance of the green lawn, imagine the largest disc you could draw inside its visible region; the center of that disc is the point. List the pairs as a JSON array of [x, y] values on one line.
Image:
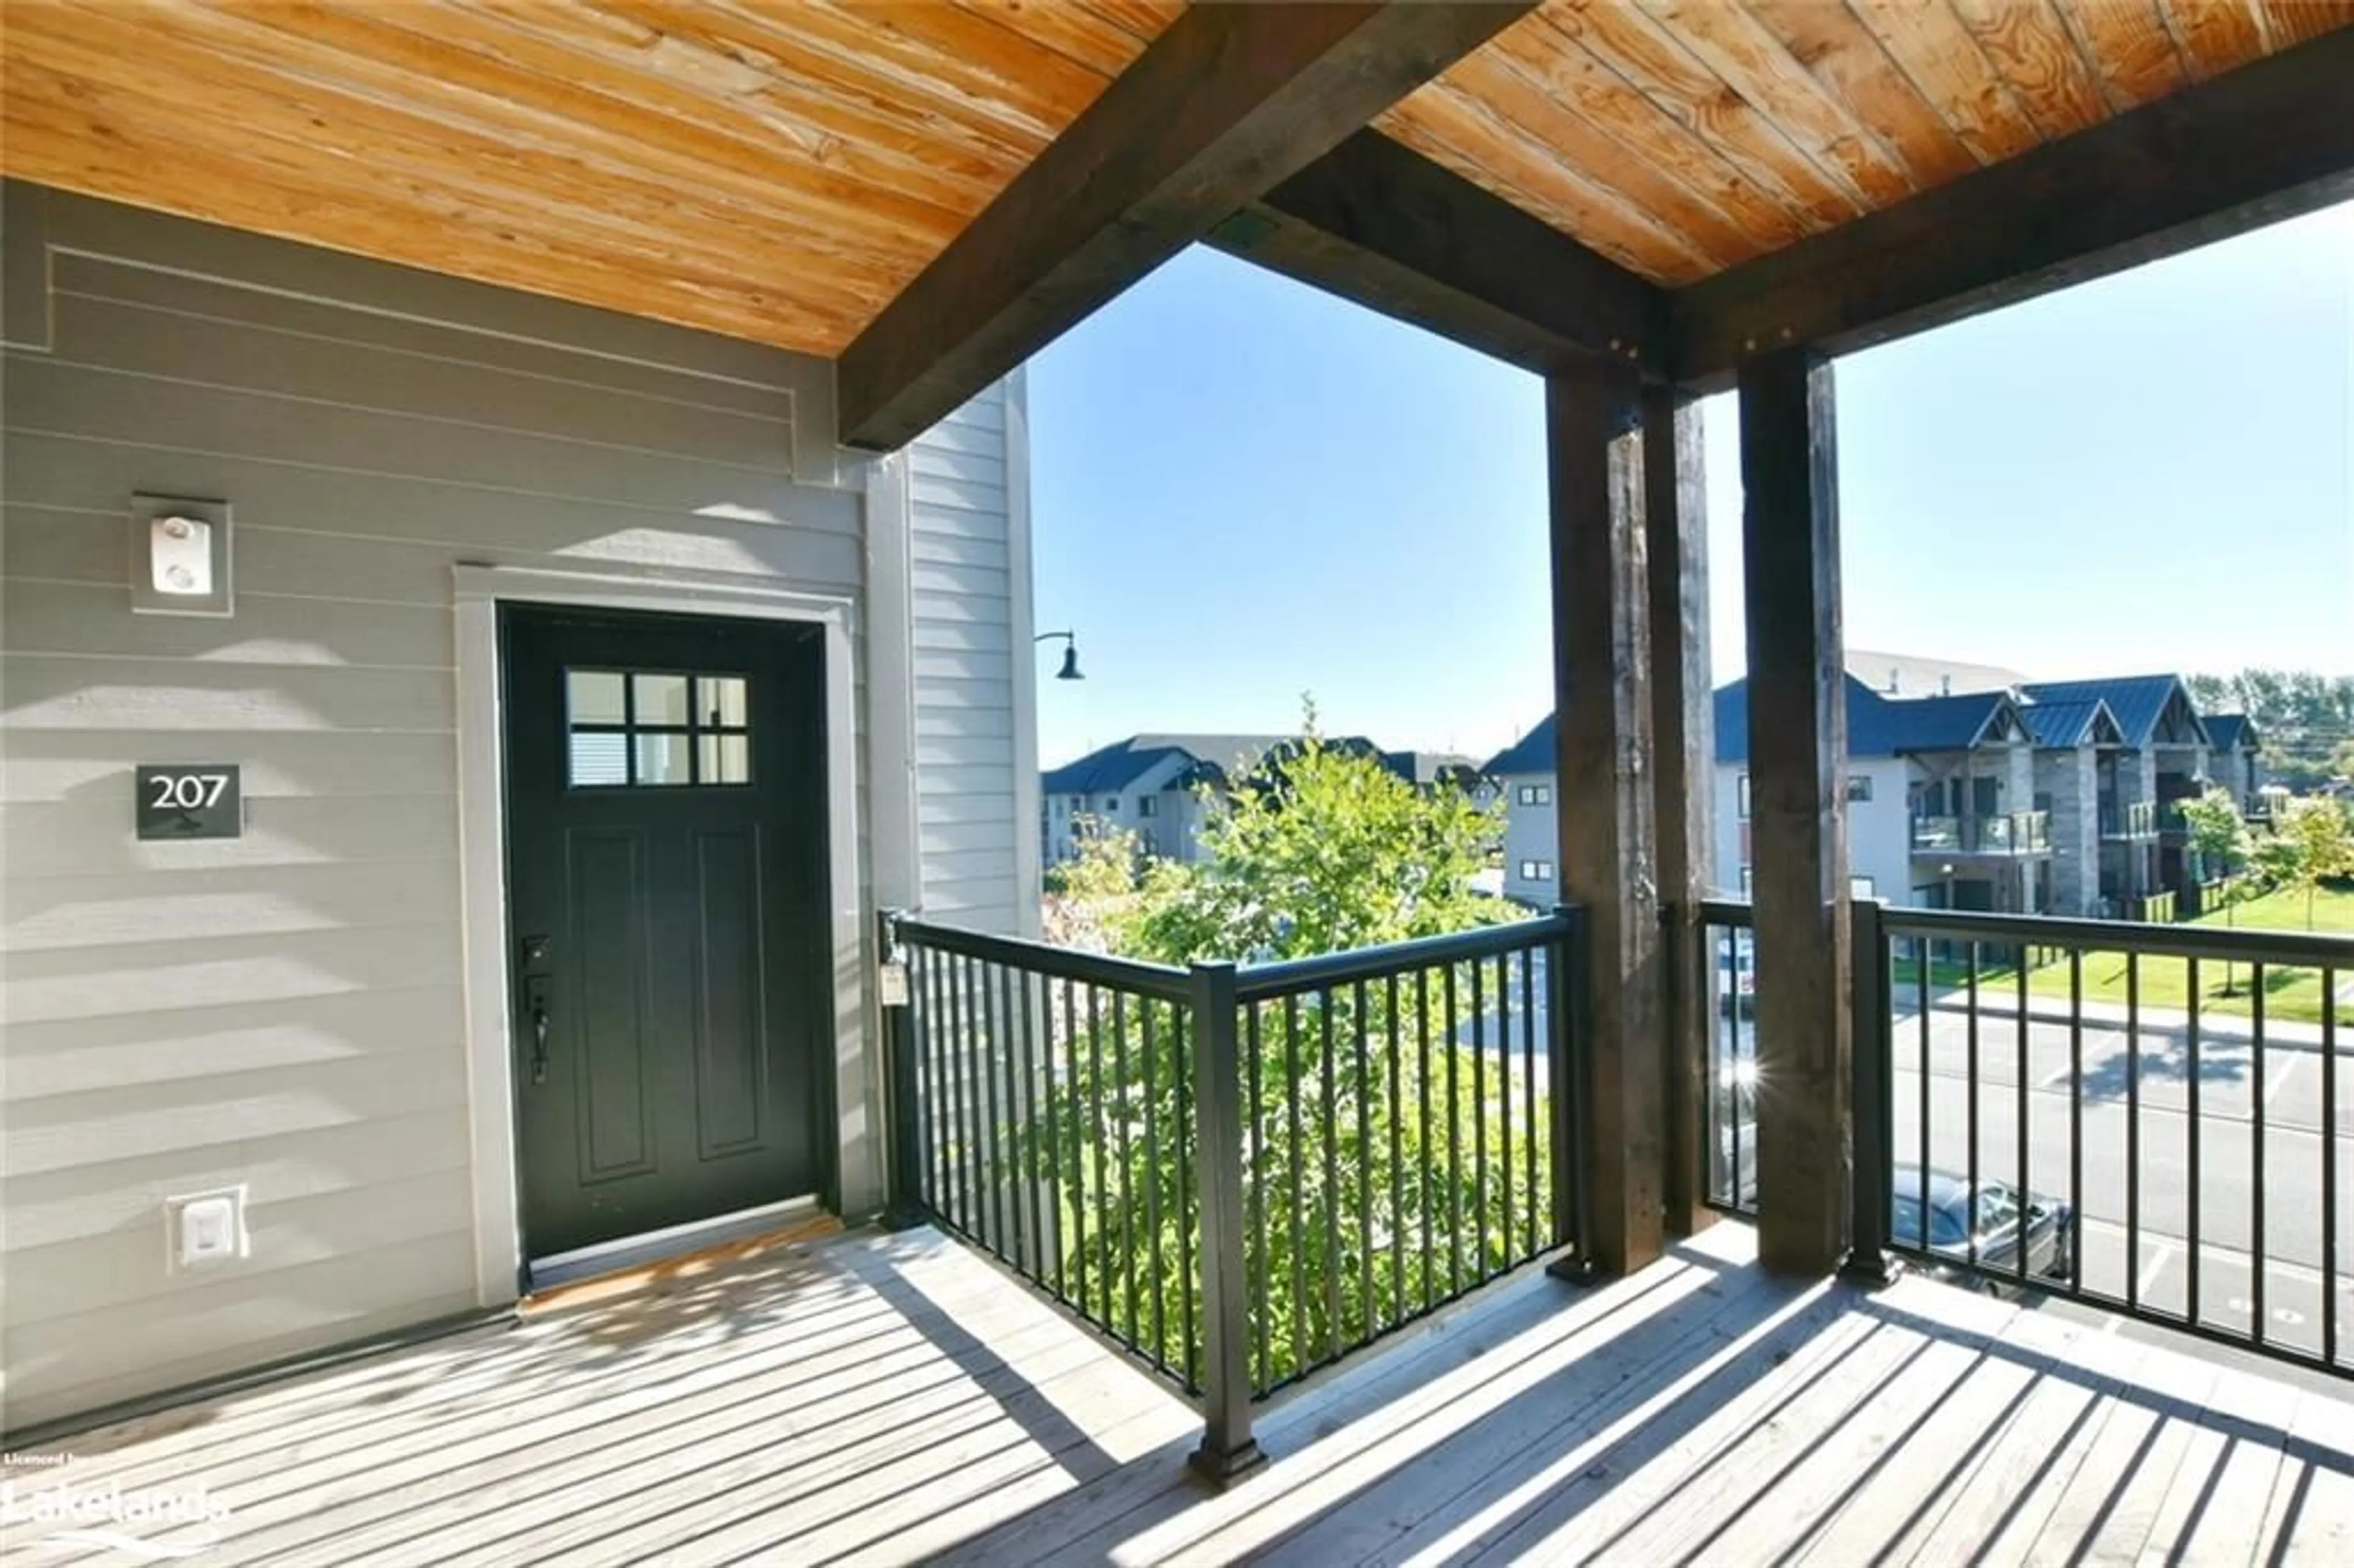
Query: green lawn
[[2291, 995]]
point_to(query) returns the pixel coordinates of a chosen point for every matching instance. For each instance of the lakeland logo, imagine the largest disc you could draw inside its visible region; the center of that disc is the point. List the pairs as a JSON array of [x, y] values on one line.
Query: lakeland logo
[[110, 1517]]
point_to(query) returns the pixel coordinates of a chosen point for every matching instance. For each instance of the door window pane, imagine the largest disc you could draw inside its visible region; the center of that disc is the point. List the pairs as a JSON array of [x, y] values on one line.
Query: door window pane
[[594, 697], [662, 759], [719, 701], [662, 699], [726, 759], [600, 760]]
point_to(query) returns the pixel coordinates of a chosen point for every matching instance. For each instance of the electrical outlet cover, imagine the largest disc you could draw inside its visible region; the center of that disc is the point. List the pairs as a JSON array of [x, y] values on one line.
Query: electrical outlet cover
[[205, 1229]]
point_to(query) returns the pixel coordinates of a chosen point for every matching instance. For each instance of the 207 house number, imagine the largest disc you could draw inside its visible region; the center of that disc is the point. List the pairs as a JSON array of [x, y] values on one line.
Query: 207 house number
[[190, 801]]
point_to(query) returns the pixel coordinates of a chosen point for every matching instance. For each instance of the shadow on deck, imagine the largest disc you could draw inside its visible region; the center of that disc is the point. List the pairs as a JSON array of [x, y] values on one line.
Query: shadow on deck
[[893, 1398]]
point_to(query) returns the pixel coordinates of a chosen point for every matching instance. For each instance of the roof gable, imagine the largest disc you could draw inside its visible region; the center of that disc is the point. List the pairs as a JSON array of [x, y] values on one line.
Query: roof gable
[[2147, 709]]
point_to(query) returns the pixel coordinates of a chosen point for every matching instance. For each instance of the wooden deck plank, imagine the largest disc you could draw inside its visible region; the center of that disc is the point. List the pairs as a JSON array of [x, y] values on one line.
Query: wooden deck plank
[[894, 1399]]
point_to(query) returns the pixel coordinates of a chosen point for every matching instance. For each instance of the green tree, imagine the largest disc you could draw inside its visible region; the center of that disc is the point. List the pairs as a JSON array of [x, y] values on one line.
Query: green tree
[[2312, 842], [1365, 1114], [2219, 836]]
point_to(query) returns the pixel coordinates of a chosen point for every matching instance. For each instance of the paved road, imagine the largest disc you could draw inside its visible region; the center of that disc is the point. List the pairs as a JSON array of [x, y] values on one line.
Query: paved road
[[2131, 1109]]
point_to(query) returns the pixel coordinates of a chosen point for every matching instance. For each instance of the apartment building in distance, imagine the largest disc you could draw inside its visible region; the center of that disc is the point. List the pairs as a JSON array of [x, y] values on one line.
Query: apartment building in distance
[[1969, 787]]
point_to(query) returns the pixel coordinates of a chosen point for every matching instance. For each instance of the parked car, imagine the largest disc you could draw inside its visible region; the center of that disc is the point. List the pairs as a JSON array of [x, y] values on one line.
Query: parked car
[[2003, 1220], [1736, 972]]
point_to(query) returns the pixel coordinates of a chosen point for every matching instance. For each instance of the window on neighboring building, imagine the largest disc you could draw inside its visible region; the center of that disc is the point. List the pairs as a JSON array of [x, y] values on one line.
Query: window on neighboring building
[[1536, 795], [1745, 882], [1741, 797], [1078, 804], [1111, 806], [1148, 806], [1536, 871], [1860, 888], [1859, 787]]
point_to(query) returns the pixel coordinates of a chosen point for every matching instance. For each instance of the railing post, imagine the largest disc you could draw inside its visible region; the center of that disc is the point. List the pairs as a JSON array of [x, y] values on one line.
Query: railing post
[[1572, 1151], [906, 1207], [1873, 1172], [1228, 1449]]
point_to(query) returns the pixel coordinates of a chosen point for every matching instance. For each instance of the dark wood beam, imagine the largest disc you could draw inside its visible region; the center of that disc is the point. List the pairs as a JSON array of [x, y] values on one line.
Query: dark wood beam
[[1379, 224], [2264, 143], [1683, 751], [1602, 680], [1229, 102], [1797, 810]]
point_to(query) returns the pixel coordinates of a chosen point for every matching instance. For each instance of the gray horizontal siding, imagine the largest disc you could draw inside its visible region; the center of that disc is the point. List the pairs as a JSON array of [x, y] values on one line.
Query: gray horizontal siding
[[286, 1009]]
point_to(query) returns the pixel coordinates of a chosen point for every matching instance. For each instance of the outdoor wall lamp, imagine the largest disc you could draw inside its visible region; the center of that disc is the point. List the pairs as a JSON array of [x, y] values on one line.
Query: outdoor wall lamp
[[1070, 670], [179, 555]]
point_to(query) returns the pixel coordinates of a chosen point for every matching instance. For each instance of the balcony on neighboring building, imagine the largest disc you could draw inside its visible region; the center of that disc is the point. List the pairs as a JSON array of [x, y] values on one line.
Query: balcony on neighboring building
[[2135, 820], [2000, 833]]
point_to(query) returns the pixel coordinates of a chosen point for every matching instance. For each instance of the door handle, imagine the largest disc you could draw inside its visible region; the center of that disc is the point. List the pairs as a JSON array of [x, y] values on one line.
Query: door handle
[[536, 1001]]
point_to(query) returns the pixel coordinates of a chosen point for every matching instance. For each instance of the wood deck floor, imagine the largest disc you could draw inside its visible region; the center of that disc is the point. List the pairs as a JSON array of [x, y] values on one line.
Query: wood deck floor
[[892, 1398]]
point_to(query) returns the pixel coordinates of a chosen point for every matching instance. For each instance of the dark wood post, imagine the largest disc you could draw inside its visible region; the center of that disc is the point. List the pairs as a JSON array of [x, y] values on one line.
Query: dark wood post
[[1683, 751], [1602, 654], [1868, 1261], [1797, 810], [1228, 1449]]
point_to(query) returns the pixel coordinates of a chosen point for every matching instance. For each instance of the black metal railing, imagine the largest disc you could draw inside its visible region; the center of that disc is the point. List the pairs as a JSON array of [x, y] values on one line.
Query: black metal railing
[[2144, 1118], [1241, 1175]]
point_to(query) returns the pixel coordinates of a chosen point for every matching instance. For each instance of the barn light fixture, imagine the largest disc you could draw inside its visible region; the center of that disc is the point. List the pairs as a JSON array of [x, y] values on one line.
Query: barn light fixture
[[1070, 670]]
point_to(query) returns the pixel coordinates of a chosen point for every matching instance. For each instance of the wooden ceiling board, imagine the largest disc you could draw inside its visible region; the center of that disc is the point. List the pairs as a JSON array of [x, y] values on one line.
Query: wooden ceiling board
[[1832, 43], [770, 171], [2216, 35], [1930, 46], [2129, 38], [2030, 48], [1648, 59]]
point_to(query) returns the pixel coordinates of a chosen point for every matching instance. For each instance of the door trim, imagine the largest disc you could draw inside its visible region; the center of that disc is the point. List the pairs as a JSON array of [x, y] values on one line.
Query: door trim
[[498, 1259]]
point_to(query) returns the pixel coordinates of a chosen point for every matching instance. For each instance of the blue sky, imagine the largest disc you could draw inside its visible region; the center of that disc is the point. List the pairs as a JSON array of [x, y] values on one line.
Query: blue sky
[[1245, 491]]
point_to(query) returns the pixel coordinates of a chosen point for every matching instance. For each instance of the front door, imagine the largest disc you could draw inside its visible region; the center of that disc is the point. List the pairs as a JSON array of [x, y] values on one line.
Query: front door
[[666, 863]]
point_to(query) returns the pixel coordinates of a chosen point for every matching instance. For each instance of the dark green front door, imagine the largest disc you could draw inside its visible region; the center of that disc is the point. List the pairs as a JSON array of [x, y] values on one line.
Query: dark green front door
[[666, 838]]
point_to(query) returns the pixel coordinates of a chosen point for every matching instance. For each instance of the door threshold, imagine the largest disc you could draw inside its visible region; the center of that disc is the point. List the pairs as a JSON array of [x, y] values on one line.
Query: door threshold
[[670, 1245]]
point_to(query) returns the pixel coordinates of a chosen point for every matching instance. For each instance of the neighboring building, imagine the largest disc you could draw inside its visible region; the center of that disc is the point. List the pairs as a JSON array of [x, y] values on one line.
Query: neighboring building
[[2047, 797], [1163, 788], [2235, 759]]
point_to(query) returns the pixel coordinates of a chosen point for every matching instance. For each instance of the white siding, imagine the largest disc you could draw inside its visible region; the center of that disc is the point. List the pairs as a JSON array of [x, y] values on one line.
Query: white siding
[[1531, 835], [286, 1009], [972, 661]]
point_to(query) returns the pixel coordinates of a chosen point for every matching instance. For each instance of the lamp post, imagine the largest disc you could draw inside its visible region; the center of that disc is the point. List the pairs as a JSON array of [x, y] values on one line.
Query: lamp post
[[1070, 670]]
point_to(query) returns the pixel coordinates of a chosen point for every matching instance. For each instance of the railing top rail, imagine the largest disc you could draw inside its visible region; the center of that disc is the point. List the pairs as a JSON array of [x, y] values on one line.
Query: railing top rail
[[2310, 949], [1162, 981], [1726, 911], [1260, 982]]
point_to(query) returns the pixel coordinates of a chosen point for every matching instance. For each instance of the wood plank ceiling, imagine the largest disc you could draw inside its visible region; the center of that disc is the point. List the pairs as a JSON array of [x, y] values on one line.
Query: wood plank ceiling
[[779, 171]]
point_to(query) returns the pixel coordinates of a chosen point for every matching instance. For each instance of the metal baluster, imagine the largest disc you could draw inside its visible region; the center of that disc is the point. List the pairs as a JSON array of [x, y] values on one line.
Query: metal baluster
[[1422, 1089], [1298, 1219], [1100, 1115], [1725, 1087], [1051, 1086], [1009, 1131], [1228, 1449], [1478, 1122], [1127, 1161], [1188, 1238], [968, 1135], [1504, 1083], [1454, 1149], [1970, 1076], [1924, 960], [2329, 1167], [2257, 1250], [2025, 1186], [2133, 1131], [2076, 1115], [994, 1127], [1082, 1140], [1027, 1144], [2195, 1192], [1397, 1163], [1263, 1330], [1332, 1178], [1364, 1176], [1528, 959], [920, 991], [1146, 1008]]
